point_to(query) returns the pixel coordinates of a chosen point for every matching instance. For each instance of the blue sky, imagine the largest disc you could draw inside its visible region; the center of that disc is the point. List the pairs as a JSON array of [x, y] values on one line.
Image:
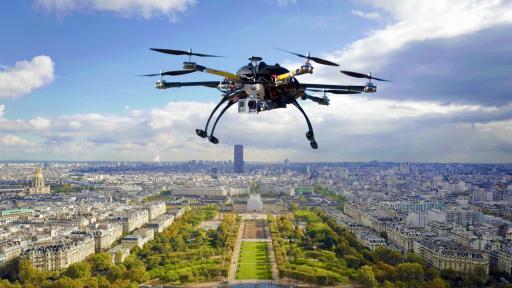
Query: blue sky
[[97, 54], [68, 88]]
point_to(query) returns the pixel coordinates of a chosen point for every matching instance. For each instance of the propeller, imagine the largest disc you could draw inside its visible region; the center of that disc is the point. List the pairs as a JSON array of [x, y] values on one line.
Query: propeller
[[335, 91], [181, 52], [308, 57], [361, 75], [170, 73]]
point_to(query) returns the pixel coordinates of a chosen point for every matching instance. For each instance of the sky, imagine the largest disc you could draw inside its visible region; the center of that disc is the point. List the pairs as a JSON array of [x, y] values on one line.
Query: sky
[[69, 90]]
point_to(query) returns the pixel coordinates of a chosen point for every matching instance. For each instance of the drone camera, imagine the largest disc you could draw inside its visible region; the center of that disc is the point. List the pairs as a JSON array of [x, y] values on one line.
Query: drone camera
[[249, 105]]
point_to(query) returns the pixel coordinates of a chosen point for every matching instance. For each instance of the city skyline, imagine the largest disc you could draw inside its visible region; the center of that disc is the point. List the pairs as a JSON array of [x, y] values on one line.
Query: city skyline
[[69, 92]]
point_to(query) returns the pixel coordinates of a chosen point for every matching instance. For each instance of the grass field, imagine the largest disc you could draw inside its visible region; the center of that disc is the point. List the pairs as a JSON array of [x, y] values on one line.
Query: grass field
[[254, 262]]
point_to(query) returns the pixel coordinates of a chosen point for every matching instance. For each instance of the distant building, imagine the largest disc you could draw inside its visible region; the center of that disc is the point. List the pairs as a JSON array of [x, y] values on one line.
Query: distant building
[[155, 209], [38, 185], [444, 254], [239, 158], [131, 220], [15, 213], [59, 255], [199, 191], [139, 238], [255, 204], [9, 251], [106, 234]]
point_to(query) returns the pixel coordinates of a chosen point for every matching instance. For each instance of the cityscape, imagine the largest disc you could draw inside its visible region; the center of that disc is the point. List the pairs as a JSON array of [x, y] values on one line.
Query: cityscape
[[453, 219], [249, 144]]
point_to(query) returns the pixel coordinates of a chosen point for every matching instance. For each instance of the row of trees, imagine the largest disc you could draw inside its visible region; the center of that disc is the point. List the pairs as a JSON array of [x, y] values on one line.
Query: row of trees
[[182, 253], [325, 253]]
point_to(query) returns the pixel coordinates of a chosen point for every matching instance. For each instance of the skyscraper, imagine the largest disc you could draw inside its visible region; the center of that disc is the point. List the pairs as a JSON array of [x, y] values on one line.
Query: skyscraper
[[239, 158]]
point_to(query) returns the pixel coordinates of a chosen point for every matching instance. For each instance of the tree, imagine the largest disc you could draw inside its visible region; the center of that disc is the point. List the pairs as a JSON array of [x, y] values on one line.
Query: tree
[[138, 275], [116, 272], [387, 255], [408, 272], [438, 283], [478, 277], [78, 270], [66, 282], [29, 274], [366, 276], [185, 277], [101, 262]]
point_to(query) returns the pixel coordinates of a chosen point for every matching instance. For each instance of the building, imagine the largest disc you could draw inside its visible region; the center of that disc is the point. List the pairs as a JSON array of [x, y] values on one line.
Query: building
[[501, 260], [155, 209], [163, 221], [255, 204], [239, 158], [199, 191], [119, 253], [105, 235], [138, 238], [59, 255], [9, 251], [132, 220], [38, 185], [15, 213], [445, 254], [403, 238], [370, 240]]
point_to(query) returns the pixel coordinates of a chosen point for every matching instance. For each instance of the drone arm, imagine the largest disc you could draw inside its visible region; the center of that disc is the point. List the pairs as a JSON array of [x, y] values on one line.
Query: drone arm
[[319, 100], [225, 74], [354, 88], [296, 72], [166, 85]]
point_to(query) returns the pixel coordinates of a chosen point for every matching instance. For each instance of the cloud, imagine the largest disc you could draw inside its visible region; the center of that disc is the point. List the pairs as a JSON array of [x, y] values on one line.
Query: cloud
[[141, 8], [26, 76], [367, 15], [284, 3], [13, 140], [352, 128], [41, 123], [443, 51]]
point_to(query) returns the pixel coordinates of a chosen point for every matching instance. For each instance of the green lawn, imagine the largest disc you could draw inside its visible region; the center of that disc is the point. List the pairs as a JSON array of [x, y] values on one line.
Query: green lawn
[[254, 262]]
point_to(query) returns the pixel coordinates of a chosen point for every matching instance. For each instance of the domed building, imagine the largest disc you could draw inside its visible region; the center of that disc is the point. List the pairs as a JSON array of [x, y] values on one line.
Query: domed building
[[38, 185]]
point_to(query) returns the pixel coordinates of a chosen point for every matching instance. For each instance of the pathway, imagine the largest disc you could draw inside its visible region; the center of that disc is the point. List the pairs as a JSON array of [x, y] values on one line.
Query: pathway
[[236, 254]]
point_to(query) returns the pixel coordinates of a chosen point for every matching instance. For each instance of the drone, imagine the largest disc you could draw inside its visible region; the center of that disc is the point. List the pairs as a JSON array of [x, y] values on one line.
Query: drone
[[258, 87]]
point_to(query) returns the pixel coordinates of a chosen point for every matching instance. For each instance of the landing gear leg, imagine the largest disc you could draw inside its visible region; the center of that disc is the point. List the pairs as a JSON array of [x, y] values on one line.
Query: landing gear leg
[[309, 135], [212, 138], [203, 133]]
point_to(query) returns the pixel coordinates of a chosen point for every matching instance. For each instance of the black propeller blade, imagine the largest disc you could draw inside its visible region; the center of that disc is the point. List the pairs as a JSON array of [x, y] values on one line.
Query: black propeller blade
[[181, 52], [315, 59], [335, 91], [170, 73], [361, 75]]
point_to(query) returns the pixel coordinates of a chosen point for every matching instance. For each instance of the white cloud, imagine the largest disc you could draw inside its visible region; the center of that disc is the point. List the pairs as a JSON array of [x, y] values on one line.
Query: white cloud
[[284, 3], [26, 76], [351, 128], [367, 15], [415, 21], [142, 8], [41, 123], [13, 140], [2, 108]]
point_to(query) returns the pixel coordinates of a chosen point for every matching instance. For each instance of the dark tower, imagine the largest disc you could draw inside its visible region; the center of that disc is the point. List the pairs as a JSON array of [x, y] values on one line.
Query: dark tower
[[239, 158]]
